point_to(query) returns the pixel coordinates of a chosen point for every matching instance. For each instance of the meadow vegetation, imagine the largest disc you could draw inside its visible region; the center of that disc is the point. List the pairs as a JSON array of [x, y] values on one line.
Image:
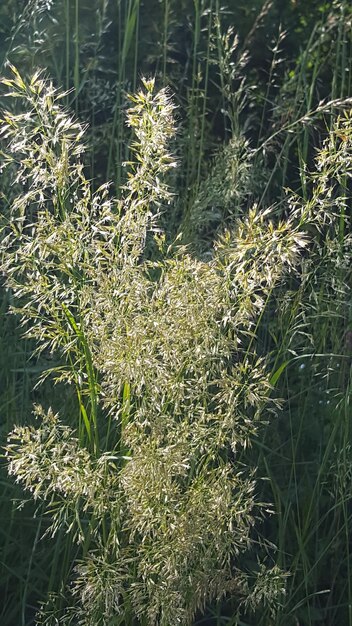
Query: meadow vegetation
[[175, 298]]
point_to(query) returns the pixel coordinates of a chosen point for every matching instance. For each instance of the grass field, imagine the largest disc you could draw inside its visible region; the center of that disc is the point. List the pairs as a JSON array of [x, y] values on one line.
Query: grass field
[[176, 324]]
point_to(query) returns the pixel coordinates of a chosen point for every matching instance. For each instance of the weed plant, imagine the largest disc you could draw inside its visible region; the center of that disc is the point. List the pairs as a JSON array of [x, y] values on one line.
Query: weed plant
[[162, 357]]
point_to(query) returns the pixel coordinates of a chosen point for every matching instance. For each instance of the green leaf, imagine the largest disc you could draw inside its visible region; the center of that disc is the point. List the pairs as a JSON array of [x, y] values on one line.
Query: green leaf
[[276, 375]]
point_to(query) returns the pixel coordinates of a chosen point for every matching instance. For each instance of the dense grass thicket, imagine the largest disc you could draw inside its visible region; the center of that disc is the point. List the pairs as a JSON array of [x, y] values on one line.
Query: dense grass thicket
[[176, 313]]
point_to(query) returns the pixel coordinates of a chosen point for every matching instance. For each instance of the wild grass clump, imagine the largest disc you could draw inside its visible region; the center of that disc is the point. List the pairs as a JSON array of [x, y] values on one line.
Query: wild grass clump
[[313, 322], [162, 321], [147, 480]]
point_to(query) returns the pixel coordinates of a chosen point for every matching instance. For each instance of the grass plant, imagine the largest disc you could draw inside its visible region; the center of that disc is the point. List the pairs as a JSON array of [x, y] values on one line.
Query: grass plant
[[149, 488], [165, 324]]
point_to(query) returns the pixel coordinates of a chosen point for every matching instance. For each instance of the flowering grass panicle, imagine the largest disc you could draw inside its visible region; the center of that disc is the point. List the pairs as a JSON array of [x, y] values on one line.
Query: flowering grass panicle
[[150, 480]]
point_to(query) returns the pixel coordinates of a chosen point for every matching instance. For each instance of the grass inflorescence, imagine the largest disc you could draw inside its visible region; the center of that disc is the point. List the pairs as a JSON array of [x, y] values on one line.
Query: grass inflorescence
[[175, 389]]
